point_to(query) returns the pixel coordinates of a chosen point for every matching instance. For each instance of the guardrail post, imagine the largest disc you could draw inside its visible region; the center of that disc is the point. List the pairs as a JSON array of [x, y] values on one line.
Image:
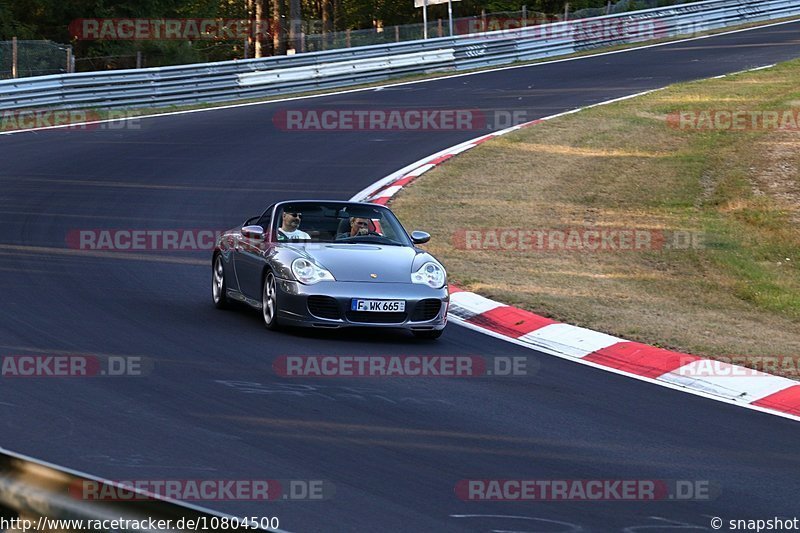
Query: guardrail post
[[13, 57], [347, 37], [397, 34], [441, 30], [450, 16], [69, 60], [425, 19], [524, 16], [566, 11], [138, 59]]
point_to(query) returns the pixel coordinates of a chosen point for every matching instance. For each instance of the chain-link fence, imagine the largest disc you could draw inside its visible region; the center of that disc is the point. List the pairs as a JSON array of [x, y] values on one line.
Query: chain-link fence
[[314, 41], [116, 62], [33, 58]]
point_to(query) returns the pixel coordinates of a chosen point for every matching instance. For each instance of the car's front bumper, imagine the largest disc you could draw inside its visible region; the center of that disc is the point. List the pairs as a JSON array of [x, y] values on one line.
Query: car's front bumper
[[327, 305]]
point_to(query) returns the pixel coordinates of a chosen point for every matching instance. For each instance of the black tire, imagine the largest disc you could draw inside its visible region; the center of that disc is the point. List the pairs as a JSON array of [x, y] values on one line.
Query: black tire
[[218, 287], [428, 333], [269, 302]]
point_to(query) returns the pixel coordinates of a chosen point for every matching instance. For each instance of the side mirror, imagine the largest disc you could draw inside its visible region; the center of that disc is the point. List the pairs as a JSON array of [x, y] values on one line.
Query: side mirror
[[253, 232], [420, 237]]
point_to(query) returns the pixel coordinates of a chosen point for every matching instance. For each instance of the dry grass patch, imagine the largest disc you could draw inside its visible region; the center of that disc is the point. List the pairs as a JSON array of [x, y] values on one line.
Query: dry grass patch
[[622, 166]]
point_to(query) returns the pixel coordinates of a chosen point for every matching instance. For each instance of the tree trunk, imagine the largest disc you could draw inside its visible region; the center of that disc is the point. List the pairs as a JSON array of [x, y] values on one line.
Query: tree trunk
[[338, 16], [278, 40], [259, 27]]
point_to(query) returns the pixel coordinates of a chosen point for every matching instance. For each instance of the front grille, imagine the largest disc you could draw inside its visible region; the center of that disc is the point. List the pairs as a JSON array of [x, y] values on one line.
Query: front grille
[[366, 317], [426, 310], [324, 307]]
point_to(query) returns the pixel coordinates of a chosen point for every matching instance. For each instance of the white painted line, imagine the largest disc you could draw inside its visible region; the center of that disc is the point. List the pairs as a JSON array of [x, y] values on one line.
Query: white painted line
[[725, 379], [761, 68], [570, 340]]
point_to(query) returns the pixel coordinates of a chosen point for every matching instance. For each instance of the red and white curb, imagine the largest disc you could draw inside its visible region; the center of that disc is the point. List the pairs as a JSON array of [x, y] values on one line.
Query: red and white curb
[[689, 373], [714, 379]]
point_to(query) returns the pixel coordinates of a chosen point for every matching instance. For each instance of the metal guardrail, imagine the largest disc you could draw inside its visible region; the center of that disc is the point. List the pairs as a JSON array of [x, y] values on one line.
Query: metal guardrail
[[42, 494], [235, 80]]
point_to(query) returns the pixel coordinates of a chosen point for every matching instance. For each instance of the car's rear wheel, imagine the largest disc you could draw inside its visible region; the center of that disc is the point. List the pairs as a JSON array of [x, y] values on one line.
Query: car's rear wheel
[[428, 333], [218, 288], [269, 302]]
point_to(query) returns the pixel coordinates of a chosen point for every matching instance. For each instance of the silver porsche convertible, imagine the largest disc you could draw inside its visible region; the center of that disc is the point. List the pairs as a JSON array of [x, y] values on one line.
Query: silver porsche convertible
[[330, 264]]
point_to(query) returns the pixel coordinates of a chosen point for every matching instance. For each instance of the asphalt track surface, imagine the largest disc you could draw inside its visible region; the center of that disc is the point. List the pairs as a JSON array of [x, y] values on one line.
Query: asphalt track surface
[[393, 448]]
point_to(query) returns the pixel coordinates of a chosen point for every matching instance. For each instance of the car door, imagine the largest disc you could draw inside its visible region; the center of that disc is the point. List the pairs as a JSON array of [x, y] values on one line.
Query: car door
[[249, 258]]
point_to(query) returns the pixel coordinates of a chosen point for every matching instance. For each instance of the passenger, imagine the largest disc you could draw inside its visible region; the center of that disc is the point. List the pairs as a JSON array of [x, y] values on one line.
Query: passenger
[[290, 227]]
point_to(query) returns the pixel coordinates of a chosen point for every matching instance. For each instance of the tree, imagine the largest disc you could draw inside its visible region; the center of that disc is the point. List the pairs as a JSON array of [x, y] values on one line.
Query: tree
[[258, 26], [278, 31]]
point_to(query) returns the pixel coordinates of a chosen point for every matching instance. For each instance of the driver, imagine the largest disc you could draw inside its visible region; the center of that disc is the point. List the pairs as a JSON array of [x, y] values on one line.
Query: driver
[[358, 226], [290, 227]]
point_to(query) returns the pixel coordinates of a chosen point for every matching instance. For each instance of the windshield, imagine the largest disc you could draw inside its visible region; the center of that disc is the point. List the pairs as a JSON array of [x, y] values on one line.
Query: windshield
[[338, 223]]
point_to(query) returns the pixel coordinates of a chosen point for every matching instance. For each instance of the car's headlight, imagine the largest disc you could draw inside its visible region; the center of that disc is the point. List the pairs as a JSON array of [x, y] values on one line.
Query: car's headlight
[[430, 274], [308, 273]]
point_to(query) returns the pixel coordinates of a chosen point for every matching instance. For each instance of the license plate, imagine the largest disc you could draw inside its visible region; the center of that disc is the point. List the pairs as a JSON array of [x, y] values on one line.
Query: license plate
[[378, 306]]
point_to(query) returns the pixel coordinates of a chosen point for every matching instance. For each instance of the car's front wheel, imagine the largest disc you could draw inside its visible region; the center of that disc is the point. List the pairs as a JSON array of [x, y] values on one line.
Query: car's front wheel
[[269, 302], [218, 288], [428, 333]]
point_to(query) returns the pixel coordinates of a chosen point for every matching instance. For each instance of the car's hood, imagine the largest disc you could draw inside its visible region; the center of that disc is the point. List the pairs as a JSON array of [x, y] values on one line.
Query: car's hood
[[366, 262]]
